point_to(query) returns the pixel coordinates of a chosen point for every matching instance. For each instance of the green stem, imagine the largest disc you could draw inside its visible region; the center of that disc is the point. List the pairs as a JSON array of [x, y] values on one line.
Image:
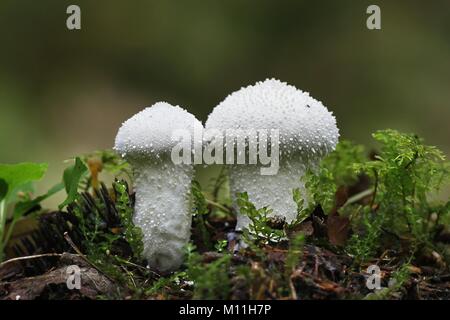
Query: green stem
[[375, 172], [359, 196], [218, 205], [219, 182], [10, 230], [204, 231]]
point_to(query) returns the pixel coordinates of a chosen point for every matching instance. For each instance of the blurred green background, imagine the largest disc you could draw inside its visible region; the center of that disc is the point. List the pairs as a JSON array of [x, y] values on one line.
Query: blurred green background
[[67, 92]]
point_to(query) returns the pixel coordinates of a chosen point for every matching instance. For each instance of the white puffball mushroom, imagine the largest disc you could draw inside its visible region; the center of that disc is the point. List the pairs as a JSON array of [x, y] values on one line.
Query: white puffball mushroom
[[162, 206], [307, 132]]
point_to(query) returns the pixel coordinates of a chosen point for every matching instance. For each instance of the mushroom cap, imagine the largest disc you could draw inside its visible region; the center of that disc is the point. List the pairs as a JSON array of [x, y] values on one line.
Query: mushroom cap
[[305, 125], [149, 132]]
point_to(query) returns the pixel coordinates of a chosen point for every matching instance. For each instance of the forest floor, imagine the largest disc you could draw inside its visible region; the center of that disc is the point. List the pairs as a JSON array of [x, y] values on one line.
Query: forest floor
[[370, 231]]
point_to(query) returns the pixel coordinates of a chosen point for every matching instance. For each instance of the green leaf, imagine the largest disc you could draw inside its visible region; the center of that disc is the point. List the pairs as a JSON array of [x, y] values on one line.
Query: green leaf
[[302, 212], [24, 206], [71, 179], [17, 175], [13, 177]]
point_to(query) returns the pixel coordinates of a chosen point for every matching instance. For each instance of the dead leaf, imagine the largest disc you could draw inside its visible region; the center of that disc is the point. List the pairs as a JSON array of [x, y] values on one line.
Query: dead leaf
[[341, 196], [93, 283], [337, 229], [307, 228]]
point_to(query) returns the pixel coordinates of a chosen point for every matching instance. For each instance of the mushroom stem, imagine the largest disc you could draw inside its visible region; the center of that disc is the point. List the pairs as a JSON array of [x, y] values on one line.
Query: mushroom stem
[[148, 140], [162, 210], [273, 191]]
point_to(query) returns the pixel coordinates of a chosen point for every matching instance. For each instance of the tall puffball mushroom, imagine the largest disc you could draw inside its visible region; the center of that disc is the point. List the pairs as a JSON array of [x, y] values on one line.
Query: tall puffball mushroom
[[162, 206], [307, 132]]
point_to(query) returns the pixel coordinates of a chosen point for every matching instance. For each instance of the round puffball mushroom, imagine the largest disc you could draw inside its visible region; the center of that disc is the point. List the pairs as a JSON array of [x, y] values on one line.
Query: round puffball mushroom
[[307, 132], [162, 206]]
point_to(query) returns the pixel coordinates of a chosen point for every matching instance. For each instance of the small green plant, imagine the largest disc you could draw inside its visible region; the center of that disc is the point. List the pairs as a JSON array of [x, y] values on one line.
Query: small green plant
[[302, 212], [295, 252], [321, 188], [110, 162], [15, 189], [165, 284], [71, 178], [362, 246], [404, 174], [402, 177], [259, 230], [337, 169], [397, 281], [104, 222], [132, 234], [200, 212], [340, 162], [210, 280], [221, 245], [106, 161], [110, 240]]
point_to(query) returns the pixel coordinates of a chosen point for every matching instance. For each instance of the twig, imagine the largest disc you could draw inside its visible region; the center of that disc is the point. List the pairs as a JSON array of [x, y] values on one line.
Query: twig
[[130, 275], [36, 256], [78, 251], [218, 205], [292, 289], [138, 266], [74, 247]]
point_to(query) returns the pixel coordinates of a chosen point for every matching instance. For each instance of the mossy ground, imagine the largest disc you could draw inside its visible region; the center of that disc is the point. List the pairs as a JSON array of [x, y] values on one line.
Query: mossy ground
[[364, 211]]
